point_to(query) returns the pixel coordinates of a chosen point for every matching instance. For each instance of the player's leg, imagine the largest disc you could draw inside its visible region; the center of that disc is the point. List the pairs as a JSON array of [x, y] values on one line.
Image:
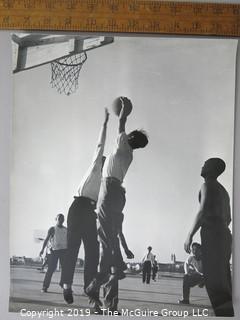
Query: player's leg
[[110, 294], [91, 248], [189, 281], [149, 269], [144, 272], [216, 253], [52, 265], [74, 225]]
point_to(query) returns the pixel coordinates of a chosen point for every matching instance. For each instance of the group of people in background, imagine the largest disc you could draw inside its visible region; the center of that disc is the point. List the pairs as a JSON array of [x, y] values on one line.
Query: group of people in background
[[101, 196]]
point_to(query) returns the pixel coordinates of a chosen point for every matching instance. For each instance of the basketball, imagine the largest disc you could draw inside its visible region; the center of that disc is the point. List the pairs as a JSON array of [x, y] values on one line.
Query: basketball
[[117, 106]]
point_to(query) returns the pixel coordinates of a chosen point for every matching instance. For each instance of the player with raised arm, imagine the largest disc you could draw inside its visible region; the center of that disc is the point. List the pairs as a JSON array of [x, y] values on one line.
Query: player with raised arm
[[110, 207], [81, 221]]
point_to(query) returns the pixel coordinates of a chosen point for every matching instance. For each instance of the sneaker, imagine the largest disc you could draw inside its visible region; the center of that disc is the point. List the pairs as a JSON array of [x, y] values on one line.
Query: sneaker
[[183, 301], [95, 285], [94, 299], [44, 289], [67, 295]]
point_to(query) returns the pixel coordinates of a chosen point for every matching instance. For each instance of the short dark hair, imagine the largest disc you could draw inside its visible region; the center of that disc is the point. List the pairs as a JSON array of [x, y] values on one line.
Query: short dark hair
[[138, 139], [150, 248], [218, 164], [60, 215], [196, 244]]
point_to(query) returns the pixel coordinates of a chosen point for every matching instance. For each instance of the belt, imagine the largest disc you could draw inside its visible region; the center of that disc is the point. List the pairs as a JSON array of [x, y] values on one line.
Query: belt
[[85, 199], [113, 179]]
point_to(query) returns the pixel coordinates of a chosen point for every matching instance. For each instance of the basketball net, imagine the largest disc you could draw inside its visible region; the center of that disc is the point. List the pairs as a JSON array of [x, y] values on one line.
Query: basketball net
[[65, 73]]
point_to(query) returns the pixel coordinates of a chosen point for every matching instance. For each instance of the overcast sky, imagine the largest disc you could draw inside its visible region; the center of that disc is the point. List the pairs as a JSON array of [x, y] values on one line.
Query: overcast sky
[[183, 95]]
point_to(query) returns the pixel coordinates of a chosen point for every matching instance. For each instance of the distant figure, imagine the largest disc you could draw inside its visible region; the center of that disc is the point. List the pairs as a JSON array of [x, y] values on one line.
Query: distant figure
[[154, 269], [214, 217], [148, 261], [57, 236], [193, 272]]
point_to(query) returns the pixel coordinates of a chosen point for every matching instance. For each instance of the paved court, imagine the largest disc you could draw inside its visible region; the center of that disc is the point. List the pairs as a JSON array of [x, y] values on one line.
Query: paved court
[[159, 297]]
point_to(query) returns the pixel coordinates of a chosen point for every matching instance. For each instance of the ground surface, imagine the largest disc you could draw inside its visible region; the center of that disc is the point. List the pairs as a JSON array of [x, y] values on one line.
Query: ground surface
[[159, 297]]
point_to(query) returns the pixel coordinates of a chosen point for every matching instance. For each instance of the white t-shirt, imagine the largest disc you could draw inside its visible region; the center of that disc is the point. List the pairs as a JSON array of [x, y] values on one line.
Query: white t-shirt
[[149, 257], [59, 239], [192, 265], [118, 162]]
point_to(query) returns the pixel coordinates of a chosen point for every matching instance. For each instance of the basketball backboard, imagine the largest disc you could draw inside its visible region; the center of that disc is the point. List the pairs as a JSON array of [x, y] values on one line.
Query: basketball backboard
[[33, 50]]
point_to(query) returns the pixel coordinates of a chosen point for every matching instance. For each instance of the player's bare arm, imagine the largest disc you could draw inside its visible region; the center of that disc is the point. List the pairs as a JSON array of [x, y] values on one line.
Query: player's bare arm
[[204, 194]]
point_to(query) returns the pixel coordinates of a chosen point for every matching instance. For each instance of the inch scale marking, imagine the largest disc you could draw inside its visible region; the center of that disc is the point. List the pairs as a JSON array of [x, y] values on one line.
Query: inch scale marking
[[135, 16]]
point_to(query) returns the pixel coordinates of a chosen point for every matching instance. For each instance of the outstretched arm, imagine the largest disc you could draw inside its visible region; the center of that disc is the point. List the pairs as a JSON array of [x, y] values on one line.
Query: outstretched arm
[[122, 115], [96, 164], [102, 138], [198, 219]]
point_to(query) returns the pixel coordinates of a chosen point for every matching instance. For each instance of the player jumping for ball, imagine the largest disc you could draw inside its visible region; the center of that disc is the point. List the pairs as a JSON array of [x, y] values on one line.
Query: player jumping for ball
[[111, 202]]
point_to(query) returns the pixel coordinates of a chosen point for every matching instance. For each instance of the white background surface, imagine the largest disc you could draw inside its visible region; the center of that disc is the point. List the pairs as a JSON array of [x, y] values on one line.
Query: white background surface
[[6, 95]]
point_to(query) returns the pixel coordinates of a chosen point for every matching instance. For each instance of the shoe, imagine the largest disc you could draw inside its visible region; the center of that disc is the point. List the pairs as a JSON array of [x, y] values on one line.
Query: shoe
[[94, 299], [94, 286], [93, 293], [67, 295], [183, 301], [44, 289]]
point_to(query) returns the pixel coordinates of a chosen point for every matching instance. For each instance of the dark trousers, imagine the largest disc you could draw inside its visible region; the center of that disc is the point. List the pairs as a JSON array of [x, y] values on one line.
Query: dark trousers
[[81, 224], [110, 295], [110, 206], [216, 253], [52, 265], [189, 281], [146, 273]]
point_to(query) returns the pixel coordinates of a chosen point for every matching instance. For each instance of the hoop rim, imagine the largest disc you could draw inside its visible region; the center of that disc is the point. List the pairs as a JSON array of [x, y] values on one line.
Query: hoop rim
[[84, 54]]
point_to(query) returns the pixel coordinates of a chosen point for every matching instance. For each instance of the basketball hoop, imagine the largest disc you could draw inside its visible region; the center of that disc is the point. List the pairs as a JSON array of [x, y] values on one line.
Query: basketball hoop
[[65, 73]]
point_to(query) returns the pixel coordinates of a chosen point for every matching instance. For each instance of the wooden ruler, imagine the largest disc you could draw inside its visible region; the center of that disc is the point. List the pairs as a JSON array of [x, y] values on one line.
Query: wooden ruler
[[122, 16]]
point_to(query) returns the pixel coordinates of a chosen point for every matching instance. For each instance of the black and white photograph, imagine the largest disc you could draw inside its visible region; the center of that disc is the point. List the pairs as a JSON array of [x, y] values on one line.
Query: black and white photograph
[[121, 175]]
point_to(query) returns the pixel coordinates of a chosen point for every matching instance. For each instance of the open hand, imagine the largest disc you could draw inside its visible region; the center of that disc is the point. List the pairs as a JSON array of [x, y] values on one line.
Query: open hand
[[125, 102]]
